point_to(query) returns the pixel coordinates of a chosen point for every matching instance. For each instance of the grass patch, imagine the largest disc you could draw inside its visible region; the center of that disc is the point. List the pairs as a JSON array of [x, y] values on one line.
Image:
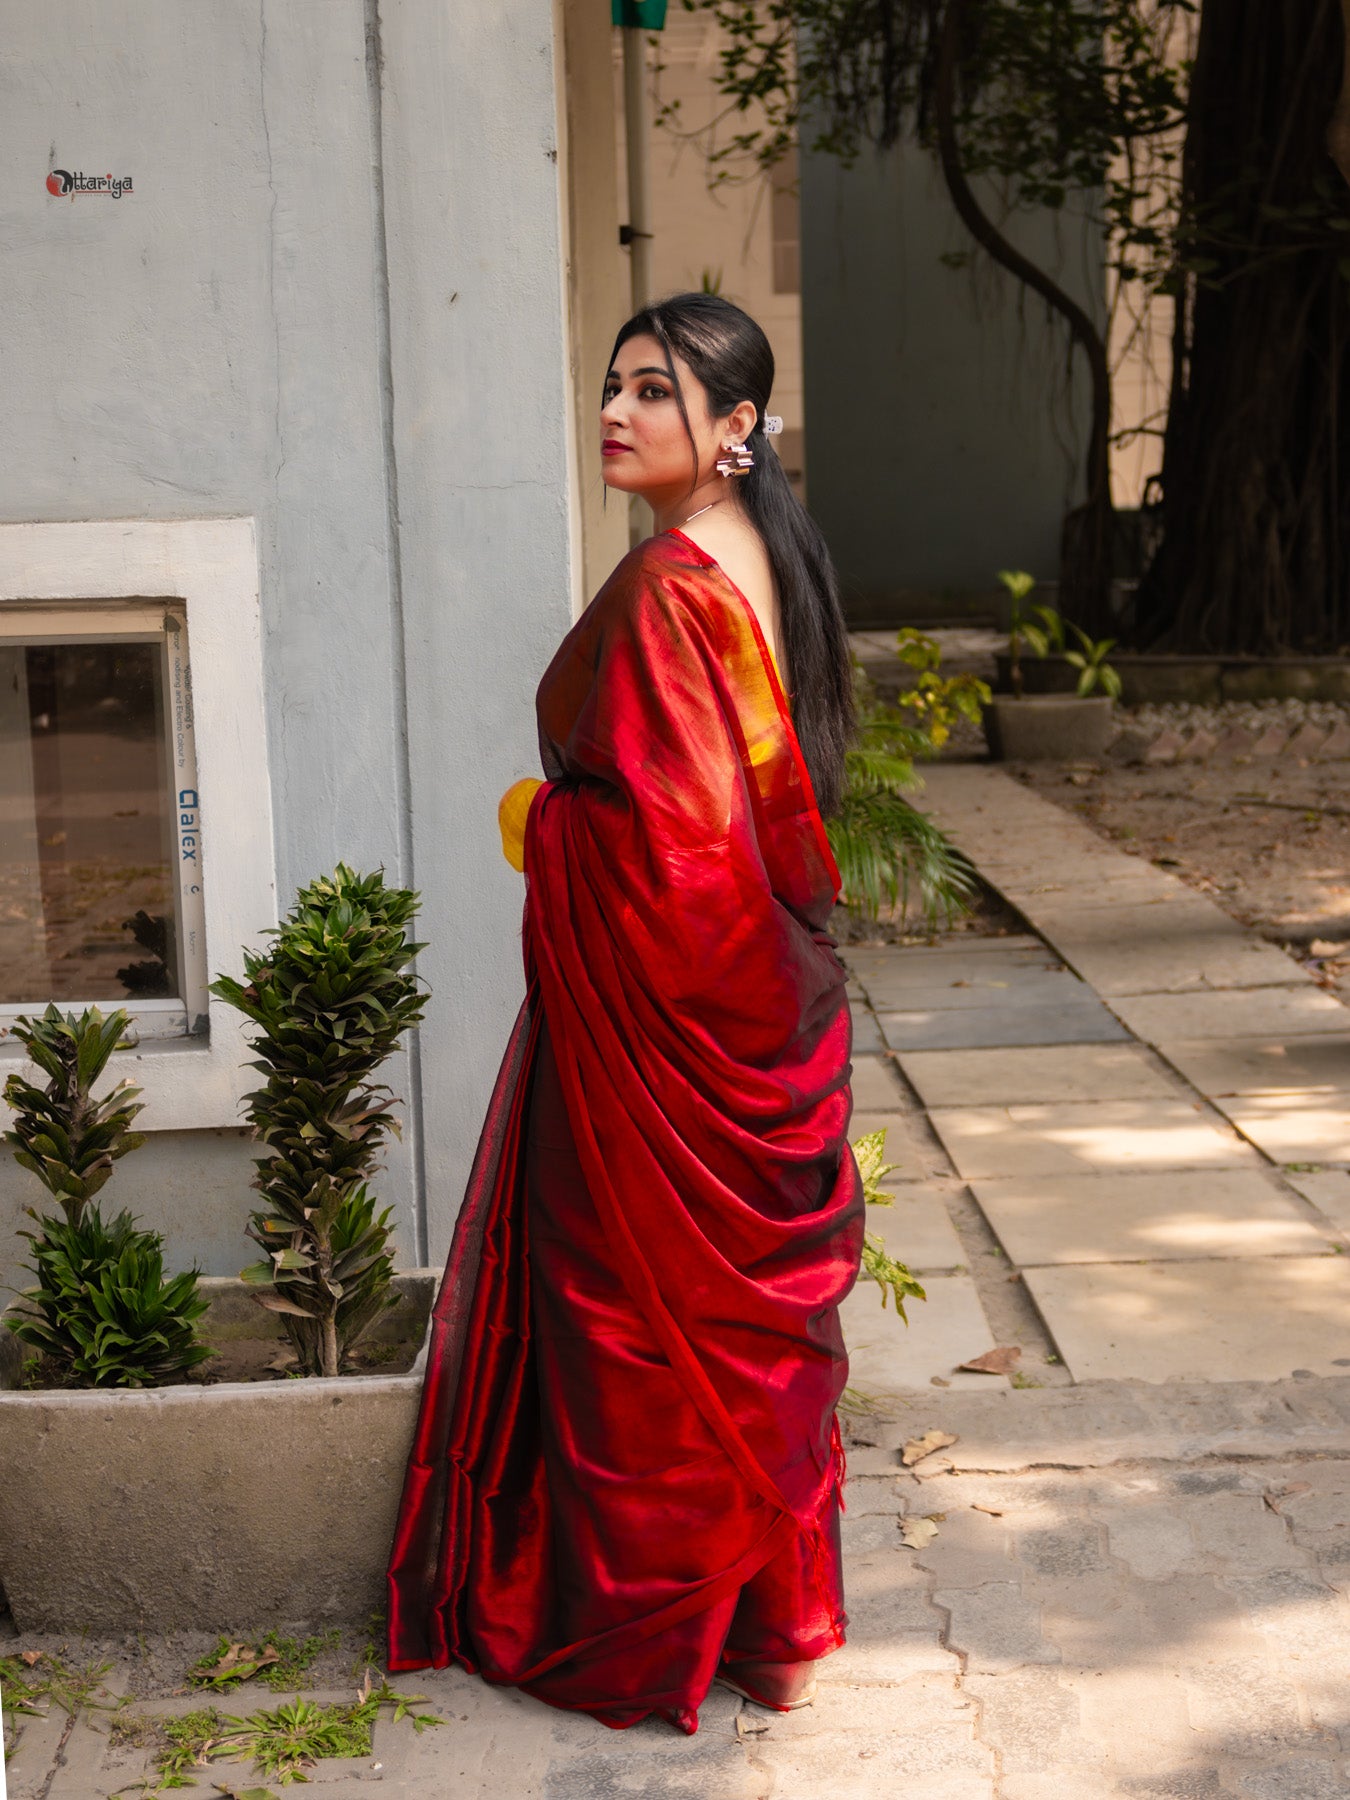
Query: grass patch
[[33, 1682], [281, 1742], [281, 1663]]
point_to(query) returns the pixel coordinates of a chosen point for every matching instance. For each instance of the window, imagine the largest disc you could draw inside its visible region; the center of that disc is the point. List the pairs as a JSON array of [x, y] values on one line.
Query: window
[[113, 762], [101, 895]]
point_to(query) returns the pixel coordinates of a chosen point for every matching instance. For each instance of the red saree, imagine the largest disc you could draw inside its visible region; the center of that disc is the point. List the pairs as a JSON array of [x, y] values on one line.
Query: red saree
[[626, 1465]]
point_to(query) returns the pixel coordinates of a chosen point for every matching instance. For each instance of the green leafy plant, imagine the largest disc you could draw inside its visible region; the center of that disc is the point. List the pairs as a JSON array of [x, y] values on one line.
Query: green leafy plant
[[330, 997], [893, 1276], [888, 853], [936, 702], [68, 1139], [1019, 584], [1047, 638], [30, 1685], [1090, 661], [281, 1663], [103, 1312], [282, 1741]]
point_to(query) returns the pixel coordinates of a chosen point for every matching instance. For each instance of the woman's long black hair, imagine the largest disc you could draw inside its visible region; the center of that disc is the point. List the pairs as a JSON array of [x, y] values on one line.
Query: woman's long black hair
[[730, 355]]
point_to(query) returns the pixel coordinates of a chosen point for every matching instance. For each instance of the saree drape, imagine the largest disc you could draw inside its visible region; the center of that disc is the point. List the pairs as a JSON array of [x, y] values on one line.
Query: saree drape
[[626, 1463]]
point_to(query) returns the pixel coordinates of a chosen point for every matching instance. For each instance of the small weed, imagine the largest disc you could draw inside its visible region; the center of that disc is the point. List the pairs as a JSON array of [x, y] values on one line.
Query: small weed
[[281, 1741], [1019, 1379], [282, 1663], [33, 1682], [371, 1653]]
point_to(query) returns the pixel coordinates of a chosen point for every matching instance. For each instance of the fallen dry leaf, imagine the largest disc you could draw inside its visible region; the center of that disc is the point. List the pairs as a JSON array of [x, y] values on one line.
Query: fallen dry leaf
[[917, 1448], [29, 1657], [994, 1512], [917, 1534], [1000, 1361]]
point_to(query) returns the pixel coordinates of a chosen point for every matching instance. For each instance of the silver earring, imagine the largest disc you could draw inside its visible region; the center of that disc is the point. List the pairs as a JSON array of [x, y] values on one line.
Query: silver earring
[[735, 460]]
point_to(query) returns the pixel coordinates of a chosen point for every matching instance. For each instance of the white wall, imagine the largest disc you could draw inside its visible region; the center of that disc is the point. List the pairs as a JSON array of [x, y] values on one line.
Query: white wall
[[331, 303], [942, 444]]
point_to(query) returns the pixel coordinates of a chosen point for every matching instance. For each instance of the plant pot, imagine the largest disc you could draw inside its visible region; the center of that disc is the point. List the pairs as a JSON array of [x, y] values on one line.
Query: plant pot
[[231, 1507], [1040, 674], [1047, 727]]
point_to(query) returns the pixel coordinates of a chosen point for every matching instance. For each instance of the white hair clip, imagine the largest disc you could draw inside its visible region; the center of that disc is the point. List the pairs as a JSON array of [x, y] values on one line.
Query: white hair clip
[[772, 423]]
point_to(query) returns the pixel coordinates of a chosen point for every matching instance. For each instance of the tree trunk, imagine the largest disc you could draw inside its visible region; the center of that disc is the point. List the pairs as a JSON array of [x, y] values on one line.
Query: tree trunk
[[1255, 472], [1085, 573]]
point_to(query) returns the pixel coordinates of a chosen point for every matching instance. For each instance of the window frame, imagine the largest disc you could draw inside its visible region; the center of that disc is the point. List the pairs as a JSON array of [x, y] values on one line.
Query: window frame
[[204, 571], [163, 624]]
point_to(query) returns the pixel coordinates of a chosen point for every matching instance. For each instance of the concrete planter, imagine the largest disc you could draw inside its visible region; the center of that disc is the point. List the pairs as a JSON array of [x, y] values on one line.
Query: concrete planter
[[1157, 679], [232, 1507], [1047, 727]]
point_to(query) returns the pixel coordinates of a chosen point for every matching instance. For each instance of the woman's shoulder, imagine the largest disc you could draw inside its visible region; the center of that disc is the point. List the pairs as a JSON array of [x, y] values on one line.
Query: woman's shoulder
[[663, 578]]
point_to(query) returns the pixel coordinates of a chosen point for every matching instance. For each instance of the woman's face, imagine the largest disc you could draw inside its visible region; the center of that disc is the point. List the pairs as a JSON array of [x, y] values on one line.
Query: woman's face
[[643, 442]]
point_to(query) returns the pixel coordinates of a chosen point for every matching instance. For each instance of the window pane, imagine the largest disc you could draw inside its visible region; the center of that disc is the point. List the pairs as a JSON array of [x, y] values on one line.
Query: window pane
[[87, 872]]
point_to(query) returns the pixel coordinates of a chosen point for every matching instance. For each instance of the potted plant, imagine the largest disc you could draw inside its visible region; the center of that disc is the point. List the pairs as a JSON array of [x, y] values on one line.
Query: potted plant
[[890, 855], [241, 1504], [330, 999], [1042, 726], [102, 1314]]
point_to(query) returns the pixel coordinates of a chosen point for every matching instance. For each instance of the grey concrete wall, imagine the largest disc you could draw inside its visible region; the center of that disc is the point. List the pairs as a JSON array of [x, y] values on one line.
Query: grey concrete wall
[[333, 302], [943, 444]]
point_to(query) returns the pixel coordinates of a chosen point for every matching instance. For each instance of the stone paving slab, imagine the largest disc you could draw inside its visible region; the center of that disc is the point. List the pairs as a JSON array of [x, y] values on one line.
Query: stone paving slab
[[1307, 1065], [1294, 1128], [1036, 1072], [917, 1230], [887, 1356], [1329, 1191], [1078, 1018], [1173, 946], [876, 1085], [1082, 882], [866, 959], [1007, 1142], [946, 977], [908, 1147], [1271, 1012], [1042, 987], [867, 1038], [1237, 1320], [1165, 1217]]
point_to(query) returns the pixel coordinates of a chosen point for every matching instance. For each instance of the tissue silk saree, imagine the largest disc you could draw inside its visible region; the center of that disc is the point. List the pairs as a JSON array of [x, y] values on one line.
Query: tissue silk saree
[[627, 1466]]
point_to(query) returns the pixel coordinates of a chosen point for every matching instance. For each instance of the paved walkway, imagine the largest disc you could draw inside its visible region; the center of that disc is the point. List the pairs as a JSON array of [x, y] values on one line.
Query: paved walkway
[[1128, 1571]]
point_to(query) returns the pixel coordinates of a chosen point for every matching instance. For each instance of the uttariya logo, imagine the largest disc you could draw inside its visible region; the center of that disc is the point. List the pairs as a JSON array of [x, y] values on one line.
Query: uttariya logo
[[62, 182]]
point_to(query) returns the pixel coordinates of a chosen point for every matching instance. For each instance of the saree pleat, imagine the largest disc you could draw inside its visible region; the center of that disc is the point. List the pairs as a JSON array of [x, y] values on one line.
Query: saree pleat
[[626, 1465]]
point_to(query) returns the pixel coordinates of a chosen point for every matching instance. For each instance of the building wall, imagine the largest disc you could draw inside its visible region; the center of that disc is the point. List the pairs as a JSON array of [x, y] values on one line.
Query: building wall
[[725, 233], [333, 303], [943, 444], [598, 276]]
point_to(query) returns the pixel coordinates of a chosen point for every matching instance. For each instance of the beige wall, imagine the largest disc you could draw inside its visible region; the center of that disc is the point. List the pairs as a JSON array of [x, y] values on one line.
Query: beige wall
[[727, 232], [596, 267]]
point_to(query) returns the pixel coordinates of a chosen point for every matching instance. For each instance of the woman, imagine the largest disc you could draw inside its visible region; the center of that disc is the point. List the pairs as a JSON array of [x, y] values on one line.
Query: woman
[[624, 1481]]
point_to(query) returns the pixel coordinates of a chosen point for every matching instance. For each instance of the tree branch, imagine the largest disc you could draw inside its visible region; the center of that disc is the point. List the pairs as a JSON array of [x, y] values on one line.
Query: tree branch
[[991, 239]]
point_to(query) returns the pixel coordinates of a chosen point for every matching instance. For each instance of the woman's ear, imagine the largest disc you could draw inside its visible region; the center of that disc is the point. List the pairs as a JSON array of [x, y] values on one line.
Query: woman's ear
[[740, 421]]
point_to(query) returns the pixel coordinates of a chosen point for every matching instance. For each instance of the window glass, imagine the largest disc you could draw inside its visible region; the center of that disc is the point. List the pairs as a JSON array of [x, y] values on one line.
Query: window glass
[[99, 823]]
